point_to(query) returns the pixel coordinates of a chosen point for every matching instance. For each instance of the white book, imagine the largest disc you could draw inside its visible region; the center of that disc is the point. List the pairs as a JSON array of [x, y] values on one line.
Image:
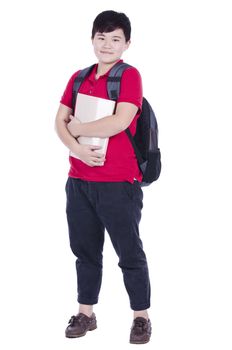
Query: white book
[[91, 108]]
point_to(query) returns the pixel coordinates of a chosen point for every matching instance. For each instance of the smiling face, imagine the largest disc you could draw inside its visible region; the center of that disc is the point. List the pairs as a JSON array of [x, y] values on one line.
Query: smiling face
[[109, 47]]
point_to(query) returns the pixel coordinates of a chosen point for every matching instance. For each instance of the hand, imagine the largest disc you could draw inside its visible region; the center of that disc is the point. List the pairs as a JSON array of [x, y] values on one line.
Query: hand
[[88, 154], [72, 126]]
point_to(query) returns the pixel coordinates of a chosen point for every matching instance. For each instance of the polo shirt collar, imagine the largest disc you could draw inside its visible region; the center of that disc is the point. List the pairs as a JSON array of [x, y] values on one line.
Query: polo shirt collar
[[91, 77]]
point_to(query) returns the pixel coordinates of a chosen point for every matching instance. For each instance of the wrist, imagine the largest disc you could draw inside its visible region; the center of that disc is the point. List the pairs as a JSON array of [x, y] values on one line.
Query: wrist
[[74, 146], [74, 127]]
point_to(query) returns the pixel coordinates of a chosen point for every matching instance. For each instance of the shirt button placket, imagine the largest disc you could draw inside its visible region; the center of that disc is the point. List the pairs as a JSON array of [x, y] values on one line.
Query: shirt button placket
[[91, 88]]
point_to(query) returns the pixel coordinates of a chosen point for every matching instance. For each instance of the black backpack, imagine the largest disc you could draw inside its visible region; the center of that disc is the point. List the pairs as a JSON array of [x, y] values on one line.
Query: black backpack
[[145, 140]]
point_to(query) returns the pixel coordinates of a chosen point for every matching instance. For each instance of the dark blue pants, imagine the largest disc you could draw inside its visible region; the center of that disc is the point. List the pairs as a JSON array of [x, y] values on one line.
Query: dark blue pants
[[93, 207]]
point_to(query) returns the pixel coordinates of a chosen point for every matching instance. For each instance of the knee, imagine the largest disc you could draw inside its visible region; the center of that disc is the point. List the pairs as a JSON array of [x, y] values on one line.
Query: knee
[[86, 257], [135, 262]]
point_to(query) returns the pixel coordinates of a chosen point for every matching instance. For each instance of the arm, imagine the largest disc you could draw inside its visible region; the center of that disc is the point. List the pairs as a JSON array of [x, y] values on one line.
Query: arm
[[107, 126], [86, 153]]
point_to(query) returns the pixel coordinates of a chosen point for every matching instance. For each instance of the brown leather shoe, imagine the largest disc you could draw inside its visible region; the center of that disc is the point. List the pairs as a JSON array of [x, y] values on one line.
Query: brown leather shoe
[[79, 325], [140, 331]]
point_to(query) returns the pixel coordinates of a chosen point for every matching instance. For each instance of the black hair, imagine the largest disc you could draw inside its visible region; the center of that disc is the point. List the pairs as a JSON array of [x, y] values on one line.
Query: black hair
[[108, 21]]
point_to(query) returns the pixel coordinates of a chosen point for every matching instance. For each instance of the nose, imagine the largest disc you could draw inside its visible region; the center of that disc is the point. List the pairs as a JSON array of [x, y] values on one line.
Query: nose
[[107, 43]]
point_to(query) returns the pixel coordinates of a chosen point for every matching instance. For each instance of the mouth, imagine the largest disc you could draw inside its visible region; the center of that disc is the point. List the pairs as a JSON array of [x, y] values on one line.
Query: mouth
[[106, 52]]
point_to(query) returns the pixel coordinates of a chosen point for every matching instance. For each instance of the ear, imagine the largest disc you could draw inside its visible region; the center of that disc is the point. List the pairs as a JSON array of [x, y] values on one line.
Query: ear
[[127, 44]]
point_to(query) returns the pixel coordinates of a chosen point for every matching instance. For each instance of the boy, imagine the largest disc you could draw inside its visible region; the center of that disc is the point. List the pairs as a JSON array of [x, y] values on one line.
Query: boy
[[109, 196]]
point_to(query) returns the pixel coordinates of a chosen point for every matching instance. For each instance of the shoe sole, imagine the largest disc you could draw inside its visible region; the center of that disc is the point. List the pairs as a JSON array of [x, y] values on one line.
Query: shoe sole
[[139, 342], [82, 334]]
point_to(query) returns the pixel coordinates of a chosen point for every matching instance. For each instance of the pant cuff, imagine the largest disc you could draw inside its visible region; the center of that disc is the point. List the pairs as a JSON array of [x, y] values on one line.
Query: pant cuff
[[87, 301], [140, 307]]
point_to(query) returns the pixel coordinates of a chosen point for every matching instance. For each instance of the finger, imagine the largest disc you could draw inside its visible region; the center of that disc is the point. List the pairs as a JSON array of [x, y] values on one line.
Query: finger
[[97, 161], [93, 147], [90, 163], [99, 155]]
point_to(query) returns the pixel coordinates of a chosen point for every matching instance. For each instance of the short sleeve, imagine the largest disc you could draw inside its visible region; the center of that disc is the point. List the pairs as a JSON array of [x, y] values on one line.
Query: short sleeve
[[131, 87], [66, 98]]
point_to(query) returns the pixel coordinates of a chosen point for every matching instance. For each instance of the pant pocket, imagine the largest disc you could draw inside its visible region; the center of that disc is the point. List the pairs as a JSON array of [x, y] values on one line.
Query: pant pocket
[[133, 190]]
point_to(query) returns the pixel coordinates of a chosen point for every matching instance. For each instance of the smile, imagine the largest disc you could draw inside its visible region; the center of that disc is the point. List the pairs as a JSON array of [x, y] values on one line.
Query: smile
[[106, 52]]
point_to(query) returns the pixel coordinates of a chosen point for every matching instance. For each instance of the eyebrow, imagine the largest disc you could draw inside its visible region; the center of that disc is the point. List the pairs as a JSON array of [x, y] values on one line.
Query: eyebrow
[[115, 36]]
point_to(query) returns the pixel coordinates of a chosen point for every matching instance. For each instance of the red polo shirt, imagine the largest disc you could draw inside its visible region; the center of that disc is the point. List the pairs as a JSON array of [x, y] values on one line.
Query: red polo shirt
[[121, 163]]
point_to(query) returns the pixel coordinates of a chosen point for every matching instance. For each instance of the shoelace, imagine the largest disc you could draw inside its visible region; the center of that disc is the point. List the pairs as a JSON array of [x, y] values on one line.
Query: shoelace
[[139, 326], [76, 319]]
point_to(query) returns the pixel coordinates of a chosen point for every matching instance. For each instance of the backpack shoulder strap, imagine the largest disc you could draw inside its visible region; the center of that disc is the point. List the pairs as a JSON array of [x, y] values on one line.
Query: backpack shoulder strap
[[113, 89], [114, 79], [136, 150], [78, 81]]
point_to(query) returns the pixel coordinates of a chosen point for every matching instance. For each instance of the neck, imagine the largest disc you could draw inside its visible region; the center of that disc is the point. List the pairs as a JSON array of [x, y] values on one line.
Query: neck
[[104, 67]]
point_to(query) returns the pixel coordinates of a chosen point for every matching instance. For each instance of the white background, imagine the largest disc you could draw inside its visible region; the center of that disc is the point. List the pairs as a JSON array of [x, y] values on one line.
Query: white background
[[183, 51]]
